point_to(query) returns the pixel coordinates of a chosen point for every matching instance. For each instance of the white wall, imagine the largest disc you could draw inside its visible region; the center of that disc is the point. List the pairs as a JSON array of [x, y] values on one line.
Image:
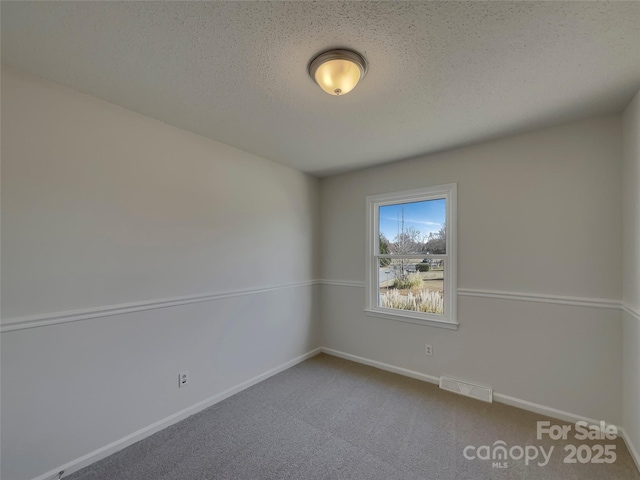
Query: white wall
[[631, 269], [537, 214], [102, 206]]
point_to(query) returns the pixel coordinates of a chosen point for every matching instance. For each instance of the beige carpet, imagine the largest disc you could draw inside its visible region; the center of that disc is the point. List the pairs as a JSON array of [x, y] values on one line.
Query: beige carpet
[[329, 418]]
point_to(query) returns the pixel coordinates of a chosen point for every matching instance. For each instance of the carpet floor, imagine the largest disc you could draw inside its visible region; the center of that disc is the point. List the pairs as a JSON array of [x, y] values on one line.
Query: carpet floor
[[328, 418]]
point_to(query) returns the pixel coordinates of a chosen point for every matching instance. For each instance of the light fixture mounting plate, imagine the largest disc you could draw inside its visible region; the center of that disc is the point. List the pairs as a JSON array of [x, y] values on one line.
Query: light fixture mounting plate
[[339, 54]]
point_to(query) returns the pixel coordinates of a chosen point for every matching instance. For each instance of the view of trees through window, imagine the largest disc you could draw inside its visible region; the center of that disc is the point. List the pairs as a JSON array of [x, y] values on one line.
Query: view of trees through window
[[411, 266]]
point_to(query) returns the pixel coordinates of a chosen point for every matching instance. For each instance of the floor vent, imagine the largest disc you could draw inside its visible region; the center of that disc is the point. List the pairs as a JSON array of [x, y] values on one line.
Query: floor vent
[[472, 390]]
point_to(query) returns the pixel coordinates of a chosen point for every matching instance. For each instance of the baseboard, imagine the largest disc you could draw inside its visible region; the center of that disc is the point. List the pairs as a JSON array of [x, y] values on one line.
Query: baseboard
[[124, 442], [498, 397], [544, 410], [382, 366], [631, 447]]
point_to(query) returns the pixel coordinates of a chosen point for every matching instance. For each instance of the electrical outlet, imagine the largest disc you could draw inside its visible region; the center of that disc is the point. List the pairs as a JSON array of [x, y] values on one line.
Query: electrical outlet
[[183, 379], [428, 350]]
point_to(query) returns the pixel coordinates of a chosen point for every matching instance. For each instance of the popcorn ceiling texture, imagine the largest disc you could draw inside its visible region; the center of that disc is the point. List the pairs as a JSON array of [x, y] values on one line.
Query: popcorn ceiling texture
[[442, 74]]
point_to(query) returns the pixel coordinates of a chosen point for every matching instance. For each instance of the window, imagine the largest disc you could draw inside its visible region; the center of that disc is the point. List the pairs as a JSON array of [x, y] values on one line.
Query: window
[[411, 256]]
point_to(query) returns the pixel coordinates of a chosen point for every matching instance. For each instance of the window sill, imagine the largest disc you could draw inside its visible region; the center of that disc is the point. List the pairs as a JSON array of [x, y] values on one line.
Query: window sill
[[411, 319]]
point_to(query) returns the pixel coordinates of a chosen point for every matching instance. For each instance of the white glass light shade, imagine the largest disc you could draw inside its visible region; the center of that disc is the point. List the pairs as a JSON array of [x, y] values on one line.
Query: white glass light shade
[[337, 77], [337, 72]]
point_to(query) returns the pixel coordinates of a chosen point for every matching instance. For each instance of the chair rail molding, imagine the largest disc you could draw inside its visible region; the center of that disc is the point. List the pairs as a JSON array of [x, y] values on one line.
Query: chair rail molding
[[45, 319], [629, 310], [42, 320], [517, 296], [543, 298]]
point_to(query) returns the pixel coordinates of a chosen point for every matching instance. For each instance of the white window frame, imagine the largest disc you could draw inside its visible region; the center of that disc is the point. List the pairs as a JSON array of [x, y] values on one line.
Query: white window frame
[[372, 286]]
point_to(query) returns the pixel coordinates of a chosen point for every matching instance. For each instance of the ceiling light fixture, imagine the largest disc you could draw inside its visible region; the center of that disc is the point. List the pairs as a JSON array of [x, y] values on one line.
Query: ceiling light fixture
[[337, 72]]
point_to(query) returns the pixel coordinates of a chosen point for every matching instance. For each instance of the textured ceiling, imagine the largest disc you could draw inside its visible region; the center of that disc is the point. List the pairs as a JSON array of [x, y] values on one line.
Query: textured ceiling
[[442, 74]]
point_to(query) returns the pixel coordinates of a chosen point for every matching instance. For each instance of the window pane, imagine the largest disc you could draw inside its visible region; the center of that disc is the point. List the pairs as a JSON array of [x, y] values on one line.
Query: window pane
[[412, 284], [416, 227]]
